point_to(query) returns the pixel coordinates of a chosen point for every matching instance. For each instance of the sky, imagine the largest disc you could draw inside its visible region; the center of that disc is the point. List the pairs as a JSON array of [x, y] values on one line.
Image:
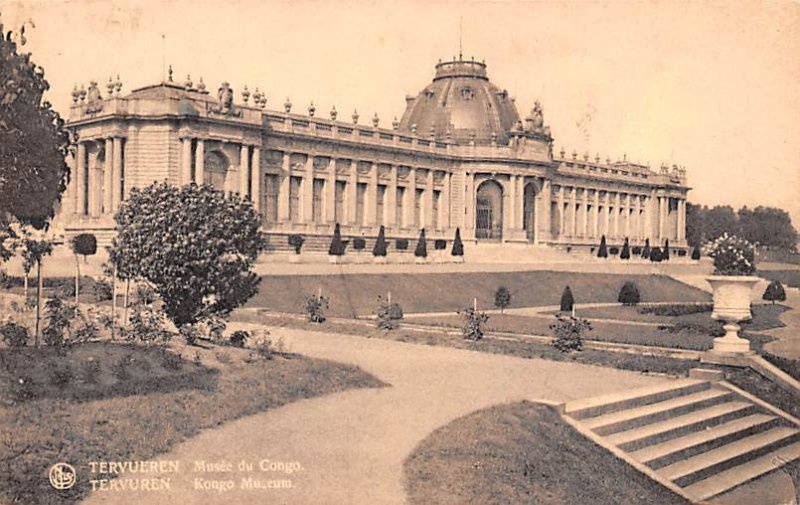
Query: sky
[[713, 86]]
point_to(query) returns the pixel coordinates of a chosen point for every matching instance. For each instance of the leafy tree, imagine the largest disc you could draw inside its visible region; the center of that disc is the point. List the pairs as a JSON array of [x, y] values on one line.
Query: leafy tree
[[625, 254], [718, 221], [602, 251], [502, 298], [568, 332], [767, 226], [567, 300], [85, 245], [193, 244], [695, 223], [380, 243], [774, 292], [629, 294], [33, 139], [421, 250], [474, 323], [458, 246], [337, 246]]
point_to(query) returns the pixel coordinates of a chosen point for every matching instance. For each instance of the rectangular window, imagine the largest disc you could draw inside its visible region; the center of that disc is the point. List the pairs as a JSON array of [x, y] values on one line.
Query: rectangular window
[[270, 203], [380, 214], [361, 194], [418, 208], [437, 195], [338, 209], [294, 199], [316, 209]]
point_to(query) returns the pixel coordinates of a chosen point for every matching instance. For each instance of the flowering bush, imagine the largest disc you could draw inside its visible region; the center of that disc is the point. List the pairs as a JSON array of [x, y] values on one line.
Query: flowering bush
[[732, 255]]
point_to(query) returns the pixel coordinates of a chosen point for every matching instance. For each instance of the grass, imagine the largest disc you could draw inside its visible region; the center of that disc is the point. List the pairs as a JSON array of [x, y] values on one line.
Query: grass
[[521, 453], [136, 416], [787, 277], [356, 294]]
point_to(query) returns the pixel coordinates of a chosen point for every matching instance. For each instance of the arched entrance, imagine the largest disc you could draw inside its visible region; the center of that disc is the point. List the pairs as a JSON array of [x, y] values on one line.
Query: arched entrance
[[529, 212], [489, 211]]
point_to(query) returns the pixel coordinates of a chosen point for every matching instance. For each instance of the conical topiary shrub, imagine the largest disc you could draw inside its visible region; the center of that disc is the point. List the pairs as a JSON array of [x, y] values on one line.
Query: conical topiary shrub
[[646, 249], [774, 292], [665, 251], [602, 251], [422, 246], [625, 254], [458, 246], [696, 254], [567, 300], [337, 246], [380, 243]]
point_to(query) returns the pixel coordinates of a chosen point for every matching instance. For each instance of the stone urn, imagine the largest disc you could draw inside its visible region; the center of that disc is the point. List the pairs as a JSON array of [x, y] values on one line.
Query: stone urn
[[732, 305]]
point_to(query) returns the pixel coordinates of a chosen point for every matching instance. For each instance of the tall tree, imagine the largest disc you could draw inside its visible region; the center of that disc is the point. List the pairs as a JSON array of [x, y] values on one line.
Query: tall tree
[[719, 220], [33, 140]]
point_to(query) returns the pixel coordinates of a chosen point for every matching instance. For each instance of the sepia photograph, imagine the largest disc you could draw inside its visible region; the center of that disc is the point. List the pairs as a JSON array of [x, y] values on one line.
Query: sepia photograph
[[368, 252]]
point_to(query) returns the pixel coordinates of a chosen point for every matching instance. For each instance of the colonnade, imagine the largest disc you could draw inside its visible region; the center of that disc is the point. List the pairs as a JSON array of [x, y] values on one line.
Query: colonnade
[[98, 181]]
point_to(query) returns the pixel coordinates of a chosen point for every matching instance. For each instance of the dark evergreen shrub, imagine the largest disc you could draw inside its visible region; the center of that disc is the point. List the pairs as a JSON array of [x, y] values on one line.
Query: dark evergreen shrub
[[502, 298], [14, 335], [568, 332], [296, 242], [84, 244], [613, 251], [458, 246], [636, 250], [696, 254], [681, 253], [655, 255], [602, 251], [337, 246], [388, 315], [359, 243], [774, 292], [629, 294], [380, 243], [625, 254], [440, 244], [665, 251], [567, 300], [421, 251], [646, 249], [103, 290], [474, 322], [401, 244], [239, 337]]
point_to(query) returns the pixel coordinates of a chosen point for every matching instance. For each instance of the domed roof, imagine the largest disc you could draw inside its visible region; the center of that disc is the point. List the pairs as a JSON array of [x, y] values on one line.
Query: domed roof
[[462, 104]]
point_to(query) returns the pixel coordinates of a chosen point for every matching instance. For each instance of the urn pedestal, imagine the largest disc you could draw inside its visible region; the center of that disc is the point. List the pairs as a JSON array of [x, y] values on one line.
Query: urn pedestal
[[732, 305]]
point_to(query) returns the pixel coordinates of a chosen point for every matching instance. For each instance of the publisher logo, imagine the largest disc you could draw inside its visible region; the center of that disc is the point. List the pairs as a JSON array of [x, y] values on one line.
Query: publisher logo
[[62, 476]]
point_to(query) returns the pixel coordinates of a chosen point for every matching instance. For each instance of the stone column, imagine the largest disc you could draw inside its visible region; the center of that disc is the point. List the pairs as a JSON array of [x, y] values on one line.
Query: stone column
[[329, 198], [607, 216], [199, 162], [371, 204], [585, 214], [537, 205], [95, 195], [428, 200], [255, 179], [307, 191], [108, 176], [662, 217], [544, 207], [80, 179], [411, 195], [116, 191], [391, 198], [444, 203], [186, 160], [627, 214], [519, 211], [284, 190], [244, 171], [682, 226], [352, 192], [561, 212], [595, 213], [509, 207], [469, 202]]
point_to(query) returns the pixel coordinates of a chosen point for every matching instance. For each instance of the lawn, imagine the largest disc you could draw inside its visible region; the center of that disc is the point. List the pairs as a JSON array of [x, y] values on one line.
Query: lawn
[[356, 294], [521, 453], [136, 403]]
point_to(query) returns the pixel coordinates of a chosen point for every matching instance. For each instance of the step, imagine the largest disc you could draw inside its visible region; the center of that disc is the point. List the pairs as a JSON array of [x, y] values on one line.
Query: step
[[577, 407], [727, 452], [630, 418], [654, 452], [729, 479], [655, 433]]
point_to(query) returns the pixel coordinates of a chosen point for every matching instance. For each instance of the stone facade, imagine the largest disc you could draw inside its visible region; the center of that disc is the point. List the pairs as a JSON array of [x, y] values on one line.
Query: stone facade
[[478, 167]]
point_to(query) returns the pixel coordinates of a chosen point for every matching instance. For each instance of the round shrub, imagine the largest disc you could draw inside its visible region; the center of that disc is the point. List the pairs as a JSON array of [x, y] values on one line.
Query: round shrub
[[239, 337], [613, 251], [401, 244], [629, 294], [84, 244], [636, 250], [359, 243], [296, 241], [655, 255], [14, 335], [440, 244]]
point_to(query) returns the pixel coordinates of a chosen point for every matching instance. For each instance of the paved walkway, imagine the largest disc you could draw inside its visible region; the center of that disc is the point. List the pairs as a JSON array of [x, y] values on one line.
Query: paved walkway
[[787, 343], [352, 445]]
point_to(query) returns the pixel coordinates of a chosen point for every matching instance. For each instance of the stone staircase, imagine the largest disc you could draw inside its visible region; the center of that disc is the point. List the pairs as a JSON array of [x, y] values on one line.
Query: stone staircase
[[696, 436]]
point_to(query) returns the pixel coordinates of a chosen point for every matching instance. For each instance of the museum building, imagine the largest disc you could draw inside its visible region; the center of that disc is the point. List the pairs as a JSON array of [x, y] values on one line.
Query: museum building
[[461, 156]]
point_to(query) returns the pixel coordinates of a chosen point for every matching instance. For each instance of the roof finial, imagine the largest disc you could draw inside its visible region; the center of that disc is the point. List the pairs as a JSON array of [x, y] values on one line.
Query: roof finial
[[460, 33], [169, 74]]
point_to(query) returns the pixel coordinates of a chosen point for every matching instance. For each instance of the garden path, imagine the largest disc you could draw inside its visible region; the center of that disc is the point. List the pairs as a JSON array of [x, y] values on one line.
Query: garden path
[[787, 339], [352, 445]]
